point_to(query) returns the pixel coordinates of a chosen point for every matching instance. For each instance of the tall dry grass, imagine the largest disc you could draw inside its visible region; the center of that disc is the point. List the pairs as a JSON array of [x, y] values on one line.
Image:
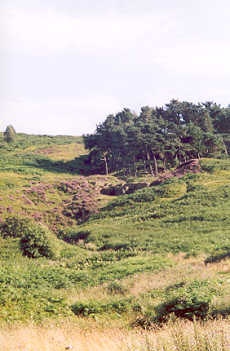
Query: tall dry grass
[[178, 336]]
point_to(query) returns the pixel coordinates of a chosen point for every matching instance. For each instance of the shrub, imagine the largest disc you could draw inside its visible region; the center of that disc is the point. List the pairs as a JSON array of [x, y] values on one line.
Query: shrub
[[35, 242], [35, 238], [189, 301], [15, 226]]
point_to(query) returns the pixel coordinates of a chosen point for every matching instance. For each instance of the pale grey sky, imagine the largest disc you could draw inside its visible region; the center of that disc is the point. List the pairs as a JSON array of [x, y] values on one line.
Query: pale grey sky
[[66, 65]]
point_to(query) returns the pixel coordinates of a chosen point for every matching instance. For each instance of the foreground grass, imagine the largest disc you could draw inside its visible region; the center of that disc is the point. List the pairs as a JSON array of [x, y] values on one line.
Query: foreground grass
[[180, 336]]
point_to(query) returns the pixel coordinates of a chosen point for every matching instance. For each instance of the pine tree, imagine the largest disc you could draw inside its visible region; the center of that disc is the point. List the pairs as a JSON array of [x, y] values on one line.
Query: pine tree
[[10, 134]]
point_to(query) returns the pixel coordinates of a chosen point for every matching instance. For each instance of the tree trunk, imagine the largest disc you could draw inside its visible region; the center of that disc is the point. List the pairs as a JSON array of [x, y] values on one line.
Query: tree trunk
[[155, 166], [134, 166], [106, 165], [149, 161]]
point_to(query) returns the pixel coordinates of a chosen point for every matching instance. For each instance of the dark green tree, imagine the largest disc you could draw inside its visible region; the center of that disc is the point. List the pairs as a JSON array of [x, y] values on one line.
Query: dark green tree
[[159, 137], [109, 140], [10, 134]]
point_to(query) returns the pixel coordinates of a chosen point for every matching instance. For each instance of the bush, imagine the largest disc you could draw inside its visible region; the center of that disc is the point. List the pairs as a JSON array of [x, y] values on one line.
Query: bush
[[35, 238], [189, 301], [35, 242], [15, 227]]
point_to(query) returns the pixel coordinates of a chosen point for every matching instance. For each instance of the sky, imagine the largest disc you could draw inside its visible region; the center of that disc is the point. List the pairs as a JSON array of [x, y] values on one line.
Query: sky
[[66, 65]]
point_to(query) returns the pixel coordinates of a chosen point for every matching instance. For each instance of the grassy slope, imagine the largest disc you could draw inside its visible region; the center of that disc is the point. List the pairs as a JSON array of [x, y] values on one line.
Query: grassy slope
[[189, 215], [146, 241]]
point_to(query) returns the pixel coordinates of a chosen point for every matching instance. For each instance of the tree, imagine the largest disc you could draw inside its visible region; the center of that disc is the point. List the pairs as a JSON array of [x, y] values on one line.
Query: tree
[[159, 137], [109, 140], [10, 134]]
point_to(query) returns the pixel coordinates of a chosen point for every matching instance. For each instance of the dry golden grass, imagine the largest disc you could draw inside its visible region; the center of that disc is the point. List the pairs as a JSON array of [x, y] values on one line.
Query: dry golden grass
[[62, 337], [180, 336]]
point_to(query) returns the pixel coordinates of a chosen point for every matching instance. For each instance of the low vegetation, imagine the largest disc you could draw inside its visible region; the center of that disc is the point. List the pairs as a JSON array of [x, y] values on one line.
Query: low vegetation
[[152, 262]]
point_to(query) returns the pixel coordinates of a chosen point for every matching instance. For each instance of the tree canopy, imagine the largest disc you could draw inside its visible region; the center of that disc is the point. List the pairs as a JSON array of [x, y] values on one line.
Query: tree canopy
[[159, 137]]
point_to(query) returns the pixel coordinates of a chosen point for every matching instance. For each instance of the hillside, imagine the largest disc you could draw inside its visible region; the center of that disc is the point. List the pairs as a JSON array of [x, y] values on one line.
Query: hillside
[[119, 261]]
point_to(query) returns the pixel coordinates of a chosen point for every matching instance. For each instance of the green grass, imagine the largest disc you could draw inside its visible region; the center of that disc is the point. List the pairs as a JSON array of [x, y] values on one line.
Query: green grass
[[195, 221], [102, 259]]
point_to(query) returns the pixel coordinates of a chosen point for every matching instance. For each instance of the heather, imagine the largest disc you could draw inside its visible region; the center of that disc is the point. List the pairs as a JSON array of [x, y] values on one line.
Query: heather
[[139, 252]]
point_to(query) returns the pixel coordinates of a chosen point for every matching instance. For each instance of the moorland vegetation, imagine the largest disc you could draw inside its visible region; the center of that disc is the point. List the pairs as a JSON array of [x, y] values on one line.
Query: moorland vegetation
[[151, 263]]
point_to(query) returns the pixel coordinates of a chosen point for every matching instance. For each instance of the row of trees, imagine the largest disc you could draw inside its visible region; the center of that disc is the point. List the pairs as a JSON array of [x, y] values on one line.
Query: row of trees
[[159, 137]]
